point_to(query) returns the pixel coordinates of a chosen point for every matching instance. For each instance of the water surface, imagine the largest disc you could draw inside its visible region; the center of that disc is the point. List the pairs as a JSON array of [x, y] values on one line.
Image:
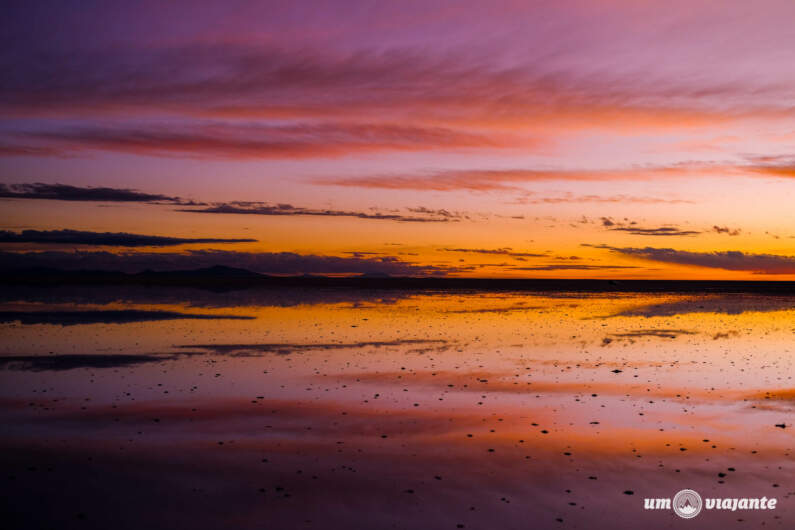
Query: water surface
[[302, 409]]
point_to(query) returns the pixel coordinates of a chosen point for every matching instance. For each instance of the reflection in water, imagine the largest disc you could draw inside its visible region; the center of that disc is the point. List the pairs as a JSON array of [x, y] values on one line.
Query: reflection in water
[[429, 411], [124, 316]]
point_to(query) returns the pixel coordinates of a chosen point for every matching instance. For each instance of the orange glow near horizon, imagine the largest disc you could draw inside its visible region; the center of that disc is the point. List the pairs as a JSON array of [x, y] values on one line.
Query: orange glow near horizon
[[368, 140]]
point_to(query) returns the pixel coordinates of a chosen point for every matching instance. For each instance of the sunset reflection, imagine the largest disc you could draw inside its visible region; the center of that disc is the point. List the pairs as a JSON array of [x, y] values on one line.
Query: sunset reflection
[[511, 403]]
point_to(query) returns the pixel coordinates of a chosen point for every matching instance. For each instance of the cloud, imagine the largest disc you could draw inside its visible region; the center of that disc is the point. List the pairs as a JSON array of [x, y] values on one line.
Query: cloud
[[662, 231], [441, 212], [620, 199], [257, 141], [261, 262], [7, 149], [119, 239], [484, 180], [773, 166], [480, 180], [631, 227], [258, 208], [733, 260], [566, 267], [239, 80], [507, 251], [122, 316], [781, 170], [65, 192], [726, 230], [326, 95]]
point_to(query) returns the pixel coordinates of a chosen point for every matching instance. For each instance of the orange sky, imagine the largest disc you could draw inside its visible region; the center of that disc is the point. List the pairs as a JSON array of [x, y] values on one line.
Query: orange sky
[[440, 138]]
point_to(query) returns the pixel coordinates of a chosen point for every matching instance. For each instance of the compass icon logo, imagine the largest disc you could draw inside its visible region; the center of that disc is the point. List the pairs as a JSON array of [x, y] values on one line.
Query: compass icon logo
[[687, 504]]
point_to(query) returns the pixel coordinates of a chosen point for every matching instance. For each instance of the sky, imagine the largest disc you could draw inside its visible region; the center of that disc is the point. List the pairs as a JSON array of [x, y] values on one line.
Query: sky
[[534, 139]]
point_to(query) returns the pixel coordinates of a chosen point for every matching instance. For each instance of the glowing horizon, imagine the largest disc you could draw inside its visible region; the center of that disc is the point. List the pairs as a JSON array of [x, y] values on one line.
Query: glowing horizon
[[574, 139]]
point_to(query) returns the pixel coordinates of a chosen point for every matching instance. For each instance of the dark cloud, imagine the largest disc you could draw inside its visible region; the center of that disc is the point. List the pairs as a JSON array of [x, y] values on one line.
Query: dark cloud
[[42, 363], [65, 192], [258, 208], [442, 212], [119, 239], [507, 251], [121, 316], [261, 262], [733, 260], [662, 231], [631, 227], [566, 267], [726, 230]]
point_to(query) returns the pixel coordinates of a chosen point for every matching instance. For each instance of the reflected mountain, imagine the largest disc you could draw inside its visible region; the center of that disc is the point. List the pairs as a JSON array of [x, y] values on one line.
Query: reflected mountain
[[44, 363], [728, 305], [122, 316]]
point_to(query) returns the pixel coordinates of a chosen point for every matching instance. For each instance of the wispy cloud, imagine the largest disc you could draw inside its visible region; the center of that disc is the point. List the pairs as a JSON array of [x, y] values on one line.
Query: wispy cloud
[[468, 180], [231, 81], [513, 179], [507, 251], [574, 267], [258, 208], [65, 192], [631, 227], [612, 199], [726, 230], [773, 166], [661, 231], [258, 141], [117, 239]]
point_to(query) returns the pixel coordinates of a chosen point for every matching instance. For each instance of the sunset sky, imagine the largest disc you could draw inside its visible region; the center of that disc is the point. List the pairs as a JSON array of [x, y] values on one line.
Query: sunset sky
[[529, 139]]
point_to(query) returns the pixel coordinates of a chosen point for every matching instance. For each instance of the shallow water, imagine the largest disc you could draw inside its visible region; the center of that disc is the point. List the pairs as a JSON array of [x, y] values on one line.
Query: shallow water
[[296, 409]]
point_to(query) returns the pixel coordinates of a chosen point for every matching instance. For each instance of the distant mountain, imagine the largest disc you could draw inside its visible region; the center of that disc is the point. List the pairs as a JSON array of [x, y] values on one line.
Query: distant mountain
[[215, 271], [374, 275], [222, 278], [218, 277]]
